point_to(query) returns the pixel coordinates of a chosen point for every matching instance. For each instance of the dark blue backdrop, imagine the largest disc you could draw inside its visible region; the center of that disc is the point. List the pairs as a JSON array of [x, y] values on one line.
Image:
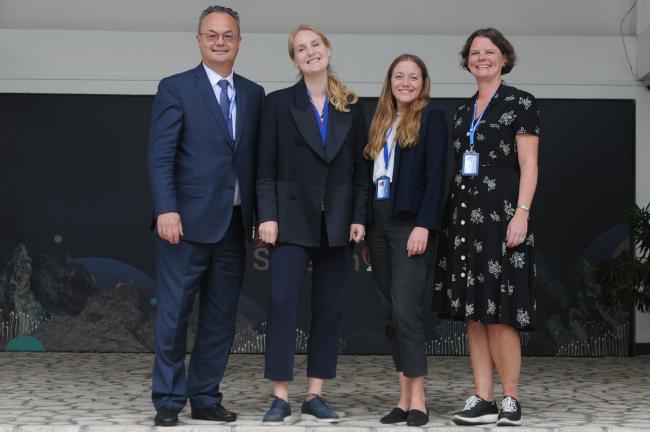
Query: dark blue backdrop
[[73, 191]]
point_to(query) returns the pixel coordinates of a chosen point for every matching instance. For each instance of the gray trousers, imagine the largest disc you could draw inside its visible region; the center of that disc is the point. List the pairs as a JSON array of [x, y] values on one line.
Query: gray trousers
[[401, 285]]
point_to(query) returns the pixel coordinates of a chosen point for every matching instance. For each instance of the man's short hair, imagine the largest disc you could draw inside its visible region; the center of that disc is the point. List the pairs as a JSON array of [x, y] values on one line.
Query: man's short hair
[[219, 9]]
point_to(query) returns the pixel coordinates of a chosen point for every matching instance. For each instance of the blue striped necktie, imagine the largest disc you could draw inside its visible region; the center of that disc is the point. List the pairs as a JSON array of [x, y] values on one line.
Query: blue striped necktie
[[224, 103]]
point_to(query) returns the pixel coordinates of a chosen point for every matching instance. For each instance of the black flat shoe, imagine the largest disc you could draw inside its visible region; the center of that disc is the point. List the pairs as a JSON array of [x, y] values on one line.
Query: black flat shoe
[[417, 418], [216, 413], [166, 416], [396, 416]]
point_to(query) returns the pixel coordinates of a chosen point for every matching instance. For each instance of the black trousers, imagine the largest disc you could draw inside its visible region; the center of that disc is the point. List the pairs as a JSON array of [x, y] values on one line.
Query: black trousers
[[401, 286], [288, 266]]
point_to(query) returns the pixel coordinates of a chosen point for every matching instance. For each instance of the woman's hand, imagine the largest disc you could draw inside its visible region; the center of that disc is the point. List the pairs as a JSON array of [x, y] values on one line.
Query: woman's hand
[[517, 228], [417, 242], [357, 232], [269, 232]]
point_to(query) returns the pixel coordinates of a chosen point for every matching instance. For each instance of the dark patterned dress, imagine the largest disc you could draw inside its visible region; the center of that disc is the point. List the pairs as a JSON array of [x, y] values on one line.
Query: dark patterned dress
[[477, 277]]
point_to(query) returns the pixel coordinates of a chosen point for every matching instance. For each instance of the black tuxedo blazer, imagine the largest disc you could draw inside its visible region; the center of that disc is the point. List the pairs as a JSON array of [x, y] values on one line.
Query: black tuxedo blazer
[[418, 184], [299, 179]]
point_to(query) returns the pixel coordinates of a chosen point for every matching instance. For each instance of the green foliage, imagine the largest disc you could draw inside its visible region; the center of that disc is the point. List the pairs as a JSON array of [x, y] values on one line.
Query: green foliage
[[625, 282], [640, 230]]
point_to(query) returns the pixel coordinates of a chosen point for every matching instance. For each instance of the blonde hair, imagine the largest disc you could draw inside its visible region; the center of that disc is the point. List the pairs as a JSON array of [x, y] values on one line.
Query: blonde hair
[[386, 112], [339, 95]]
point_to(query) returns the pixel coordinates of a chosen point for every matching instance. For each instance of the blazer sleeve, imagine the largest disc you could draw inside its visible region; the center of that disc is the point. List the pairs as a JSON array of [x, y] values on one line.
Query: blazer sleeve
[[430, 213], [164, 136], [361, 168], [267, 164]]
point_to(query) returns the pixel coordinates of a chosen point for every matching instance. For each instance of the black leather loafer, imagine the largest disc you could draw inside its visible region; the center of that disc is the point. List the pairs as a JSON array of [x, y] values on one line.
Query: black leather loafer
[[166, 416], [417, 418], [216, 412], [396, 416]]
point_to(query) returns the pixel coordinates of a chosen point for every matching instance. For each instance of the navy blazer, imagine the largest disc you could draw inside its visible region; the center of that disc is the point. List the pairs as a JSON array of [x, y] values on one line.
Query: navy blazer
[[193, 165], [298, 178], [418, 183]]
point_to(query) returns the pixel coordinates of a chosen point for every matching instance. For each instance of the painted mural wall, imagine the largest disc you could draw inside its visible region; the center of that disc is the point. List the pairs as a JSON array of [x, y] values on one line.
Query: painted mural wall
[[77, 258]]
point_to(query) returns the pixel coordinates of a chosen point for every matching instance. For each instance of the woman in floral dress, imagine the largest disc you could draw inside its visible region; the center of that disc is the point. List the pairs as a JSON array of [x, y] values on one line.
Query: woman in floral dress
[[485, 271]]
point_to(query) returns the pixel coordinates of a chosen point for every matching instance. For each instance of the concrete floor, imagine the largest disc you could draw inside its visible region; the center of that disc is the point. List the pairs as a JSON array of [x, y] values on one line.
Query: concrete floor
[[111, 392]]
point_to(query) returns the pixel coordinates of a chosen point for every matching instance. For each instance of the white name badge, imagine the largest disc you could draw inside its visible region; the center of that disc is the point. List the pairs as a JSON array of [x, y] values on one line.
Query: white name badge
[[469, 166], [383, 188]]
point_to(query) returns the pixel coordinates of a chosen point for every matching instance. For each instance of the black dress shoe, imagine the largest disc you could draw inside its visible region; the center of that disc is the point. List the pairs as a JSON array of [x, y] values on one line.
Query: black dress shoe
[[166, 416], [215, 412], [417, 418]]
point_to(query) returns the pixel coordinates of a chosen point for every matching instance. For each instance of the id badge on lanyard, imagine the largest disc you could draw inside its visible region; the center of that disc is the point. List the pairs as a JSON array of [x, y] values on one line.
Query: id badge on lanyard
[[383, 188], [469, 166], [470, 162], [383, 182]]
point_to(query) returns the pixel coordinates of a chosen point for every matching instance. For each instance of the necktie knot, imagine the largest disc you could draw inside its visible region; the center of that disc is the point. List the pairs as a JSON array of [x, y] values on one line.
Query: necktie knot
[[224, 85]]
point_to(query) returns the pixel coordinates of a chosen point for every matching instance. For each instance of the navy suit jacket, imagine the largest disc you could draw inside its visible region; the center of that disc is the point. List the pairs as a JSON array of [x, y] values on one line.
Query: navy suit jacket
[[418, 184], [193, 166], [299, 179]]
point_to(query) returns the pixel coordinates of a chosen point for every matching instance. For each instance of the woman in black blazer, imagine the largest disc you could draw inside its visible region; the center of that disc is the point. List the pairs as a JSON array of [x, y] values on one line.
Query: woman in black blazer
[[312, 198], [408, 143]]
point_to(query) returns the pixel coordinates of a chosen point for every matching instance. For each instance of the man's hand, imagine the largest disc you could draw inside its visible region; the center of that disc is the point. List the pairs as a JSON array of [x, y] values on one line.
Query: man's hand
[[169, 227]]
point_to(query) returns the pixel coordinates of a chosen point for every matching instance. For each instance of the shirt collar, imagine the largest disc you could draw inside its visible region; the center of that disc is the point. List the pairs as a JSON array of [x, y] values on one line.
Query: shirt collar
[[214, 77]]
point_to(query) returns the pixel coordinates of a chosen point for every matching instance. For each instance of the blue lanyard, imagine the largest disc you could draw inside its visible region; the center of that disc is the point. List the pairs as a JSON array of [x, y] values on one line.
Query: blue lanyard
[[322, 124], [475, 121], [388, 152]]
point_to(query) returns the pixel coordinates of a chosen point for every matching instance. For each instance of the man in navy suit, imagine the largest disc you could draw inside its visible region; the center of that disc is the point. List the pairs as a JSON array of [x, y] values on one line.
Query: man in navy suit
[[202, 147]]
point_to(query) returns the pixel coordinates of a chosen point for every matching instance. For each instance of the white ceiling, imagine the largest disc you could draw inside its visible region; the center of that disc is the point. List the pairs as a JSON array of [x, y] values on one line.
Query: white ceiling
[[427, 17]]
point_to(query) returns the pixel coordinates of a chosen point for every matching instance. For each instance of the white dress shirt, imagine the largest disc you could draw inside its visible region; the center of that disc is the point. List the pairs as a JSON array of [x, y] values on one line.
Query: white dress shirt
[[379, 168]]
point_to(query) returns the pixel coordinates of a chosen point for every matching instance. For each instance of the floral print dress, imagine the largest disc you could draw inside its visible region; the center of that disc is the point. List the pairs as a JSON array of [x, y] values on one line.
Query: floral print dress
[[476, 276]]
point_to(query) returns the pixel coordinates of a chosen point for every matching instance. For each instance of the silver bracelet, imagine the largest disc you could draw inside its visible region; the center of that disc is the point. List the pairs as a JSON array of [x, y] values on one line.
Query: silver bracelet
[[524, 207]]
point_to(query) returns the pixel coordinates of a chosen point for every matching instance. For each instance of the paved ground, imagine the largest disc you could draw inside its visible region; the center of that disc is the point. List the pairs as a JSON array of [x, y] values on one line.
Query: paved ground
[[110, 392]]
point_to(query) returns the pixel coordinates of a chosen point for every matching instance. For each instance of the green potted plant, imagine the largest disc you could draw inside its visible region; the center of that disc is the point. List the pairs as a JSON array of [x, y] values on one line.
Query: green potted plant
[[625, 283]]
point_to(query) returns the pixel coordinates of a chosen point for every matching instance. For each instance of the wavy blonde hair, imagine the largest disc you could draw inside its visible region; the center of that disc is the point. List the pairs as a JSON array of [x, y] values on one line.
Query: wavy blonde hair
[[339, 95], [386, 112]]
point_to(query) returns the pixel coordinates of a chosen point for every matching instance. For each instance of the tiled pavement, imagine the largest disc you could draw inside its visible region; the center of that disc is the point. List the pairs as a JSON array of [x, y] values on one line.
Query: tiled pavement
[[110, 392]]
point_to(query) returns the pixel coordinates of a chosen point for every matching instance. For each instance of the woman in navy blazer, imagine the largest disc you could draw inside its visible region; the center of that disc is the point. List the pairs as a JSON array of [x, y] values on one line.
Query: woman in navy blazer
[[408, 144], [312, 194]]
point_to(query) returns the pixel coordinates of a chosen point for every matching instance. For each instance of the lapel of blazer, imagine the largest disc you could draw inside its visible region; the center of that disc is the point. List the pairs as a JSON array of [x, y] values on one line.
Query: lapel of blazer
[[337, 130], [303, 115], [207, 94], [241, 99]]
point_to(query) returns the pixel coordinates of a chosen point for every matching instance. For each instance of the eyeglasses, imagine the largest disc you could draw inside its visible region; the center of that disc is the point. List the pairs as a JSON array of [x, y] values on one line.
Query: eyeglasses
[[214, 37]]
